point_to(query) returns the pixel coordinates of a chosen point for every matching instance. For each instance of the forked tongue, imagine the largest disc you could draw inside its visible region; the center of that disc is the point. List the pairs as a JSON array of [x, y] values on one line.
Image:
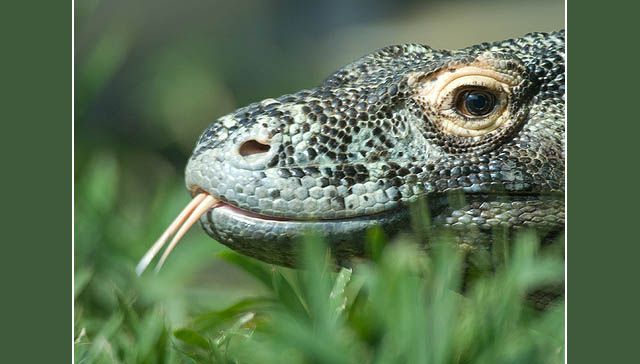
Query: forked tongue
[[189, 215]]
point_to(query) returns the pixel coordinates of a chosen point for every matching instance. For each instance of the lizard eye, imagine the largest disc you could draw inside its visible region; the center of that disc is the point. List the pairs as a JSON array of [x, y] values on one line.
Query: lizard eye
[[467, 101], [475, 102]]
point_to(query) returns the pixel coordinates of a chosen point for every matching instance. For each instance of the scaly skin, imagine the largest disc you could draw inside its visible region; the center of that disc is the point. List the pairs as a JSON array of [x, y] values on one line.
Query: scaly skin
[[384, 131]]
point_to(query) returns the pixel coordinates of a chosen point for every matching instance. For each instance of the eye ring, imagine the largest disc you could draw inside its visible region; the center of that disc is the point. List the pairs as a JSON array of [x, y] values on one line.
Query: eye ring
[[444, 95], [475, 102], [503, 82]]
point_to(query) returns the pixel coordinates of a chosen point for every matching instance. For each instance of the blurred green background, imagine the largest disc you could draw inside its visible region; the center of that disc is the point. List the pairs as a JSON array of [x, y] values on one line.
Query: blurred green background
[[151, 75]]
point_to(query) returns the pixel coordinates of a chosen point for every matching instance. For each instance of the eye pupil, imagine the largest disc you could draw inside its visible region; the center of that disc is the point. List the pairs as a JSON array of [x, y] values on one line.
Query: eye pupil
[[478, 103]]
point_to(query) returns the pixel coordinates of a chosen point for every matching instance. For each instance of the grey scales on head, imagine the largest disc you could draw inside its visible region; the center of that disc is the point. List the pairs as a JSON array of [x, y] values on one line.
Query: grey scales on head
[[403, 123]]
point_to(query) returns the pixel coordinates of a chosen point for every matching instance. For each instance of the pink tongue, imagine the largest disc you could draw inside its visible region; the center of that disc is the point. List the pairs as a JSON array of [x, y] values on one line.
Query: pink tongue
[[187, 217]]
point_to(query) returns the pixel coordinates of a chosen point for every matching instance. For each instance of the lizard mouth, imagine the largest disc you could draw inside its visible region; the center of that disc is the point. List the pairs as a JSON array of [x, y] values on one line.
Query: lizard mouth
[[235, 210], [203, 204], [212, 210], [222, 220]]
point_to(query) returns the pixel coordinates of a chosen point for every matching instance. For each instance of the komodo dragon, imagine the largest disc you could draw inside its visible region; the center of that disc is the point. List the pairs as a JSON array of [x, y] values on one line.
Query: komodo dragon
[[404, 122]]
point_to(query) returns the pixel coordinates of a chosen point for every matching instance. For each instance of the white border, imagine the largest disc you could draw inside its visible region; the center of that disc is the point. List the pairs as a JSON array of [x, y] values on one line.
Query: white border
[[566, 153], [73, 186]]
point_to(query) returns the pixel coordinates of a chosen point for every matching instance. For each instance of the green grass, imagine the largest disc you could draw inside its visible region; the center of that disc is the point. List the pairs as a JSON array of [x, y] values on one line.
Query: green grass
[[211, 305]]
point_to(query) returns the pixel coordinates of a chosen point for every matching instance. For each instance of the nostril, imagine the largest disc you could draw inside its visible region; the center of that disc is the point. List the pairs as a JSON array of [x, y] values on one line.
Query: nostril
[[253, 147]]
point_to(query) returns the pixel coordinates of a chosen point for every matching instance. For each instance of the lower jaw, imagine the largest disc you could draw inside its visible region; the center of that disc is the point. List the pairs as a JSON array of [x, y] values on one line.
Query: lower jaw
[[275, 240]]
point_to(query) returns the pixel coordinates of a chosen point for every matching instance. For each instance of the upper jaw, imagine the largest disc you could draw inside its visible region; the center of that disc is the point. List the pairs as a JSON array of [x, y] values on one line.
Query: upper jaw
[[264, 193]]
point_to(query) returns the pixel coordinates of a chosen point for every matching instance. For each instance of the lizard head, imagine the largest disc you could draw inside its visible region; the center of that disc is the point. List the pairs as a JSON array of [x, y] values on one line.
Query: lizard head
[[402, 123]]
